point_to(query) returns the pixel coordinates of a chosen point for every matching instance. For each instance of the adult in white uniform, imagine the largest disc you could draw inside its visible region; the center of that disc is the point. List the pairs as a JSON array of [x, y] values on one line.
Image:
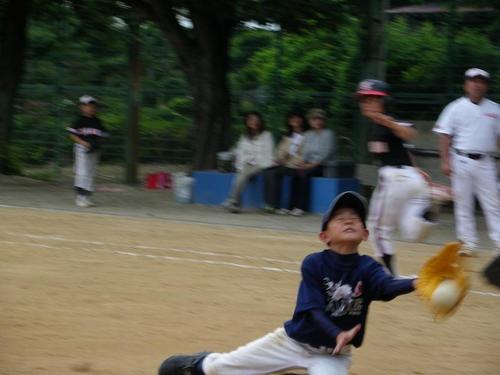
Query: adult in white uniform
[[469, 128]]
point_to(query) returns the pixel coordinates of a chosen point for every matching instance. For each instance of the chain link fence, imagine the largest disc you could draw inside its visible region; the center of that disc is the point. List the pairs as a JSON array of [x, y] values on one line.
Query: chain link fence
[[40, 140], [46, 101]]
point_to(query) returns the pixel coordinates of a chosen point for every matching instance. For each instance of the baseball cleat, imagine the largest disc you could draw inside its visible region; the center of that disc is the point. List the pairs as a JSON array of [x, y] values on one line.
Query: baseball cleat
[[182, 364]]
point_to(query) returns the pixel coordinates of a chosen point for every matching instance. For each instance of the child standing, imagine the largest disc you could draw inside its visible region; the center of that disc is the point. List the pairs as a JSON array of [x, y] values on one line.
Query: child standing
[[338, 285], [86, 132]]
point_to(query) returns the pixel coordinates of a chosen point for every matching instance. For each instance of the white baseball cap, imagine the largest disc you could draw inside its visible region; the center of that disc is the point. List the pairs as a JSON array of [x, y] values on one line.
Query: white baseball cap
[[87, 99], [476, 72]]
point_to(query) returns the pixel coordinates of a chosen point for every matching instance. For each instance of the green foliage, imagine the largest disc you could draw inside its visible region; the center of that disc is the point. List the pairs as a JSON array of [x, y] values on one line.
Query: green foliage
[[81, 48], [276, 73], [14, 160], [418, 55], [163, 76], [171, 119], [420, 58]]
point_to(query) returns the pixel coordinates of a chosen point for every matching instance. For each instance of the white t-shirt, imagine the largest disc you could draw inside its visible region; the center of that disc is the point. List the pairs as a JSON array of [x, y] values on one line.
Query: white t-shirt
[[257, 151], [295, 143], [473, 127]]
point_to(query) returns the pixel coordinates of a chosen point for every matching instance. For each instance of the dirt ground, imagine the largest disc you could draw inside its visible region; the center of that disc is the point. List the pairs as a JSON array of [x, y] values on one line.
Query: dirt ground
[[107, 294]]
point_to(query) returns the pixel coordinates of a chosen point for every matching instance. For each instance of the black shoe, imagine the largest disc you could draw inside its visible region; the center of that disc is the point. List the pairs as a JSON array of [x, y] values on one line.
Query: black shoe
[[432, 213], [182, 364], [388, 261], [492, 272]]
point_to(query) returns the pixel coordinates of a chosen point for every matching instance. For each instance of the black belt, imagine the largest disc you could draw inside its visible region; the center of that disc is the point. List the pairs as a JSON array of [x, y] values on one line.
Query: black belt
[[473, 156], [397, 165]]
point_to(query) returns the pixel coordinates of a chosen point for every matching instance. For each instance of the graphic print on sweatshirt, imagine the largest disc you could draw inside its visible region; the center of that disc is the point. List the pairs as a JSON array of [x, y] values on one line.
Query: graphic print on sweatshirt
[[342, 299]]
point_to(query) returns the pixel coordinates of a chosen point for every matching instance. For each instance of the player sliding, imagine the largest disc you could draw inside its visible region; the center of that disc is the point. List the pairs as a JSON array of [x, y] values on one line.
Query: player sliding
[[403, 194], [338, 284]]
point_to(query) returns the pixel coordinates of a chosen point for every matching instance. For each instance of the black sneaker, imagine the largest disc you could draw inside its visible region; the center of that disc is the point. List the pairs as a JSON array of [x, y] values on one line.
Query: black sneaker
[[182, 364], [492, 272], [432, 213]]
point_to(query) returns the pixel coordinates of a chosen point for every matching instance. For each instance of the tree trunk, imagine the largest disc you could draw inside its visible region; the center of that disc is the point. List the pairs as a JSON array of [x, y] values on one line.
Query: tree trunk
[[12, 44], [135, 75], [203, 51], [211, 106]]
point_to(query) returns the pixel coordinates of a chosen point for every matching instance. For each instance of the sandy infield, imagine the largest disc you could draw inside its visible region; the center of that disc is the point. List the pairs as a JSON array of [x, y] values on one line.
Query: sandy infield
[[102, 294]]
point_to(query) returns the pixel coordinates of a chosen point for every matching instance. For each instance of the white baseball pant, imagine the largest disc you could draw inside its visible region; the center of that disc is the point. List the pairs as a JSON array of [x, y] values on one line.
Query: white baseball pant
[[274, 352], [84, 167], [472, 178], [400, 199]]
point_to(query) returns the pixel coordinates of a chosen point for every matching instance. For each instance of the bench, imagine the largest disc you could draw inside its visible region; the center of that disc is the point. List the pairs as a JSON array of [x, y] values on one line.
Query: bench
[[212, 188]]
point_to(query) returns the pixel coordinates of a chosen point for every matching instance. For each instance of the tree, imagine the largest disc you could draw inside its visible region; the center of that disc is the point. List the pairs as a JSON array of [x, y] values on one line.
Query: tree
[[200, 32], [13, 19], [203, 52]]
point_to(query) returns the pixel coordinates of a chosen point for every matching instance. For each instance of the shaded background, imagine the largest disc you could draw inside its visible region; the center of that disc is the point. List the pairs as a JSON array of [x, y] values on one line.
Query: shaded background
[[426, 50]]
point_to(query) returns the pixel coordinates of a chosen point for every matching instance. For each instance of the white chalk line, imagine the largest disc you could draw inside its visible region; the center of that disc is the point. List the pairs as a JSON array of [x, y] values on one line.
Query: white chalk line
[[295, 231], [26, 244], [200, 261], [144, 247], [165, 257], [212, 262]]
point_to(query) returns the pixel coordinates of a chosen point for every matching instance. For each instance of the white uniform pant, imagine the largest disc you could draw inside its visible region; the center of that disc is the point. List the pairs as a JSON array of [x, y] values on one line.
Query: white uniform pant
[[274, 352], [85, 167], [400, 199], [472, 178]]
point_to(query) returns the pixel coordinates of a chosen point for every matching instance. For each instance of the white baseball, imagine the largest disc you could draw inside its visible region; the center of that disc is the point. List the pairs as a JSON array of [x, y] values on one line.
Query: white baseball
[[446, 294]]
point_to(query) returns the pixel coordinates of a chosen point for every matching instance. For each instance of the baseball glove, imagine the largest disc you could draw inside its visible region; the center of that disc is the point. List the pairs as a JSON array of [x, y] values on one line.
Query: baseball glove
[[444, 266], [492, 272]]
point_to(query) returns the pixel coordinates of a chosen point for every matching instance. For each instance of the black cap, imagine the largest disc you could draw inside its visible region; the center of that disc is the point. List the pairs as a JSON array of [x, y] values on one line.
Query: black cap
[[347, 199], [373, 87]]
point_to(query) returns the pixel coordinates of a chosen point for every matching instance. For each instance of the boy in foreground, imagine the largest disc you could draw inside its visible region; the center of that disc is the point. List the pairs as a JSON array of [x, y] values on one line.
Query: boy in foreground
[[338, 284]]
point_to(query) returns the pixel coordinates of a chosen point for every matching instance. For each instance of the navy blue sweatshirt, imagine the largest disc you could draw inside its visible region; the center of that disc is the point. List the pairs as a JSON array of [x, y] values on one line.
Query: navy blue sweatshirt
[[335, 293]]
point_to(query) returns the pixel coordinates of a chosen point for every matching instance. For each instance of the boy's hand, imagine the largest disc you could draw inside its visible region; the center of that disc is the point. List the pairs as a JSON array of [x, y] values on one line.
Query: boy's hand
[[345, 338]]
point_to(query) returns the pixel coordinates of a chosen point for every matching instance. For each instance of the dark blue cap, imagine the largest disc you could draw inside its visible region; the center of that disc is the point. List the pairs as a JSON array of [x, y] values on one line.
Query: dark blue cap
[[347, 199]]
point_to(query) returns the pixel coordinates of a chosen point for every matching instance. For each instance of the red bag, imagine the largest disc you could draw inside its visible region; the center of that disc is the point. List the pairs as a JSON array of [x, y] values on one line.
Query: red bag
[[159, 180]]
